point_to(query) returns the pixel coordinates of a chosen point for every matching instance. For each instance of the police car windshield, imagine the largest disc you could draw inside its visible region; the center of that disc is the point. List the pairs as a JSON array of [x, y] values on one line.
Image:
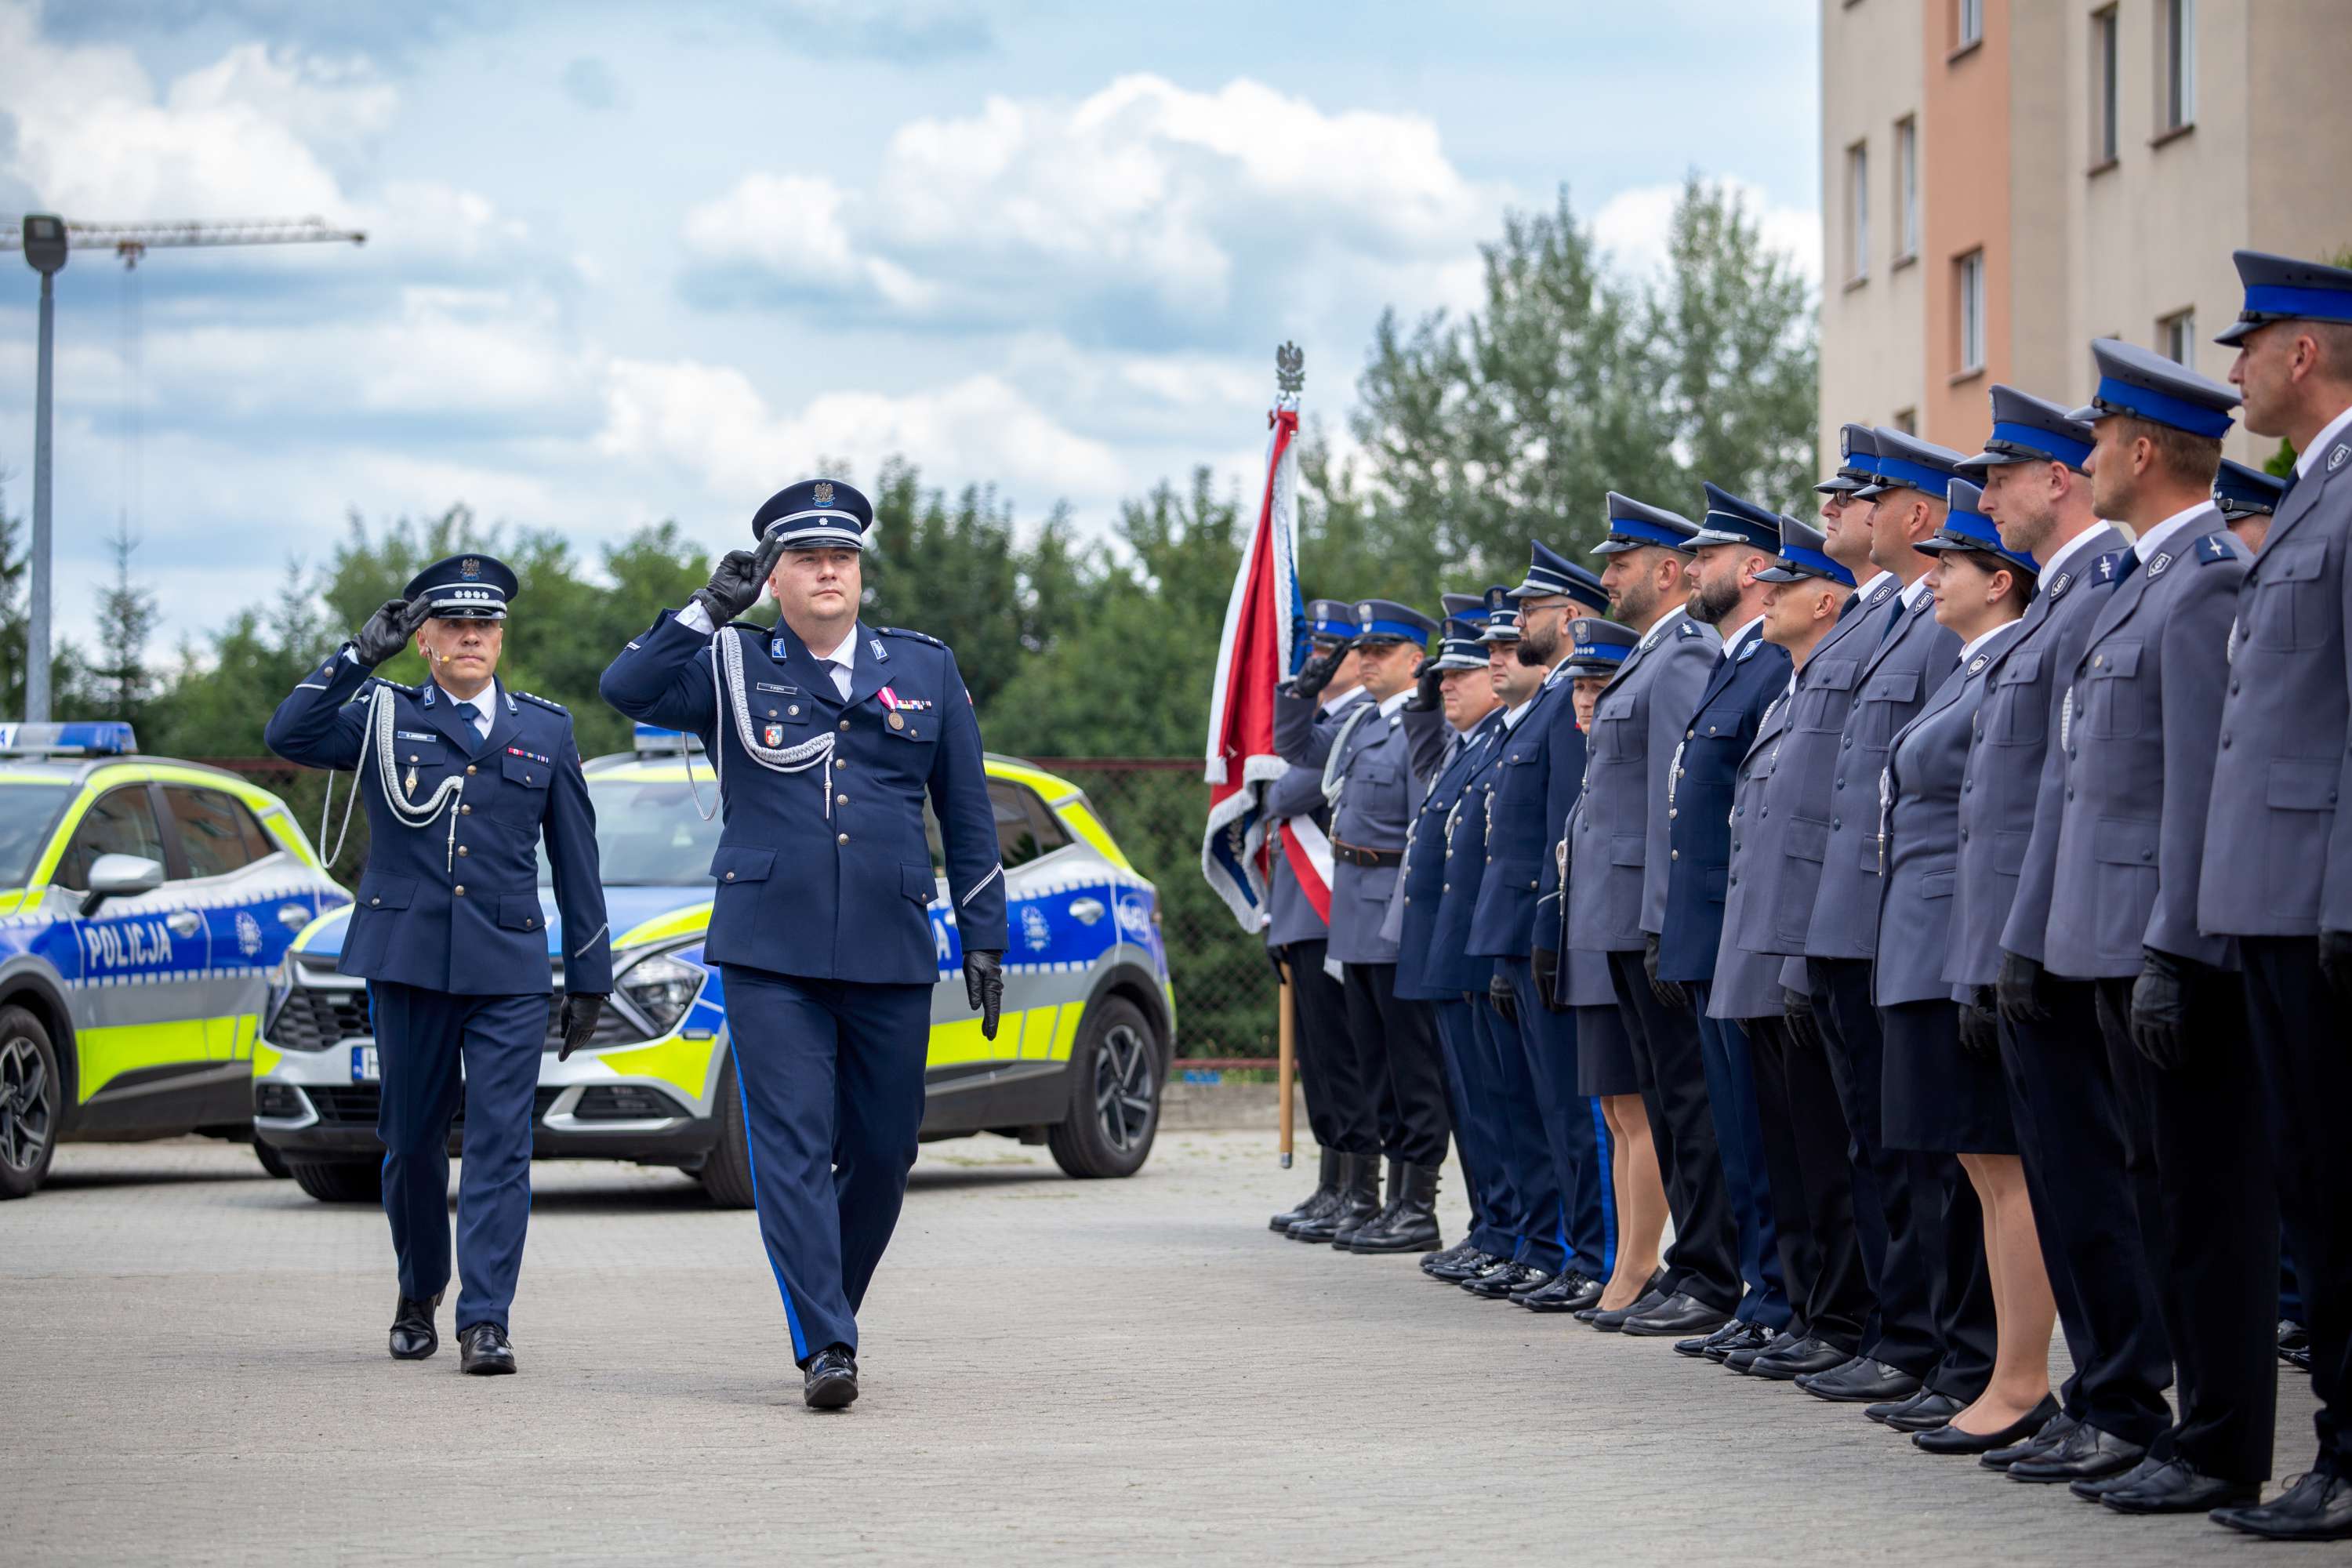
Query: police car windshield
[[648, 833], [28, 812]]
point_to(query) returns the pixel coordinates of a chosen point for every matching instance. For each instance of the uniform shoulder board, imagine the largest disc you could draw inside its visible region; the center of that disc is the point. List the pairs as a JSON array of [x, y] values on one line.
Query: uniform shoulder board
[[545, 702], [374, 680], [1749, 651], [2215, 547], [2110, 566], [912, 637], [1687, 629]]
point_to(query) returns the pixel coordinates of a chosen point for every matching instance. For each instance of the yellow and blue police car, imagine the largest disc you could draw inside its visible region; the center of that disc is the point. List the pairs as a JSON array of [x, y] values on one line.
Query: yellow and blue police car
[[1076, 1065], [145, 904]]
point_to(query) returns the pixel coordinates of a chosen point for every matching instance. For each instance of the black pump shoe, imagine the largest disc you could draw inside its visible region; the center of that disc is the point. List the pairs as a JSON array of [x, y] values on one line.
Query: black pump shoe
[[1951, 1439]]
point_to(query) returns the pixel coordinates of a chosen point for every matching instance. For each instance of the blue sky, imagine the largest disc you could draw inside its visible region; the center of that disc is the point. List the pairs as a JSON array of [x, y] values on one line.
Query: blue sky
[[624, 267]]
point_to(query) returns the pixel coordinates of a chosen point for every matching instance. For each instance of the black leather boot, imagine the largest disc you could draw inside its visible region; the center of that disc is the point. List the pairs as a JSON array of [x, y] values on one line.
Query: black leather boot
[[1318, 1203], [1345, 1240], [1412, 1220], [1359, 1200], [1360, 1213]]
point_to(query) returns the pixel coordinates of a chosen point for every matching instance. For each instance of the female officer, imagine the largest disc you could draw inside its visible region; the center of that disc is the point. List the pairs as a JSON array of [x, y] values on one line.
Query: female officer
[[1938, 1097]]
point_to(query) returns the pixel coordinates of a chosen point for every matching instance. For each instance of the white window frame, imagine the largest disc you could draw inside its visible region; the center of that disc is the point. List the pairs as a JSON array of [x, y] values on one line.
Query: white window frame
[[1968, 297], [1857, 211], [1968, 23], [1906, 187], [2176, 338], [2176, 53], [2106, 85]]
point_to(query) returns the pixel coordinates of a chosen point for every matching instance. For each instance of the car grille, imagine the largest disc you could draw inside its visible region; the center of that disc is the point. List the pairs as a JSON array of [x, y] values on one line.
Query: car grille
[[355, 1105], [315, 1018]]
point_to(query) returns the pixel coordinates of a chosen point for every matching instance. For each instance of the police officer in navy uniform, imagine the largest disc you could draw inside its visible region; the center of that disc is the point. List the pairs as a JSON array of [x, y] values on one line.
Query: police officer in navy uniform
[[1339, 1111], [463, 779], [827, 736]]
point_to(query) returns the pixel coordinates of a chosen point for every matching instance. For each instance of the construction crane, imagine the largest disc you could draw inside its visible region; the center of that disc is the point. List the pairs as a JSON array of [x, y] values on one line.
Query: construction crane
[[47, 240]]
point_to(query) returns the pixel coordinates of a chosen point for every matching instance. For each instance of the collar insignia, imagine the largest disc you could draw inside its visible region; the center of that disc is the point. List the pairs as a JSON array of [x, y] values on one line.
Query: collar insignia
[[2060, 583], [1978, 662], [2336, 460], [2163, 559]]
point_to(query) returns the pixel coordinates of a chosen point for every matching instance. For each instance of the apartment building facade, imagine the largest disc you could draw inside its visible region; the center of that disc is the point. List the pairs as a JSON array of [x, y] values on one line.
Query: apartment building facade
[[2004, 180]]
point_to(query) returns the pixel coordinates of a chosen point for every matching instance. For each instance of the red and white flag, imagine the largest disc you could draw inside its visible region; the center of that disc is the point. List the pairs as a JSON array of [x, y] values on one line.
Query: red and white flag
[[1262, 622]]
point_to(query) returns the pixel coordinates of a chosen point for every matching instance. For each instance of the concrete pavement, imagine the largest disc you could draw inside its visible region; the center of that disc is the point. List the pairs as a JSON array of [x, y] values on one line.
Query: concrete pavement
[[1086, 1371]]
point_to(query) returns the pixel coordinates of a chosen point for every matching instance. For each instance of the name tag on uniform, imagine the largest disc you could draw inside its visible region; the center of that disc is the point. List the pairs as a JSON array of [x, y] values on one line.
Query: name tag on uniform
[[417, 735], [779, 691]]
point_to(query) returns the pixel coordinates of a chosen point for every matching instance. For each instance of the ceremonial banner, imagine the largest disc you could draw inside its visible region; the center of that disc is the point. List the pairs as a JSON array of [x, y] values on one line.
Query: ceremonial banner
[[1263, 638]]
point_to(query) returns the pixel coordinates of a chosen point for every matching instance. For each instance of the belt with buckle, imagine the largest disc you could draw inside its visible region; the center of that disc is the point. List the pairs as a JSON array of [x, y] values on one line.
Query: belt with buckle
[[1355, 855]]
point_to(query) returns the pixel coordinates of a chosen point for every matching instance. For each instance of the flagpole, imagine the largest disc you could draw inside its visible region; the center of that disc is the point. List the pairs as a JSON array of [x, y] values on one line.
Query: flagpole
[[1287, 1060]]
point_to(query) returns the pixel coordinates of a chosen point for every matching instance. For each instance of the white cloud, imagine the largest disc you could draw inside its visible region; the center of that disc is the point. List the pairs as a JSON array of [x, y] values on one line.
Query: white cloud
[[1633, 223]]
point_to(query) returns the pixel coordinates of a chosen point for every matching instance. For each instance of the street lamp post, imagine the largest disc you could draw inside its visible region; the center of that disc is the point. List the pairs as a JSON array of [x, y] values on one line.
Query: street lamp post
[[44, 252]]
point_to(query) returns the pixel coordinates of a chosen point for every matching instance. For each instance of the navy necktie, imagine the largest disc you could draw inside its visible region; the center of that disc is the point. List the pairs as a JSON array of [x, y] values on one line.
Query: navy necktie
[[471, 715], [1893, 619]]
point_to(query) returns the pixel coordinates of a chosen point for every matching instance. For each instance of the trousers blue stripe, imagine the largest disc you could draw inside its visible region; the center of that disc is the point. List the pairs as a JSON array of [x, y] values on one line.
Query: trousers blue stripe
[[751, 1158]]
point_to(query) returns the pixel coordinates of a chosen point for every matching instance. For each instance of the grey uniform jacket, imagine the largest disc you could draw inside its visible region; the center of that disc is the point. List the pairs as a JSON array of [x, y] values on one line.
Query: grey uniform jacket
[[2140, 730], [2008, 815], [1926, 773], [2278, 853], [1617, 863], [1299, 793], [1748, 983], [1892, 686], [1381, 772], [1792, 821]]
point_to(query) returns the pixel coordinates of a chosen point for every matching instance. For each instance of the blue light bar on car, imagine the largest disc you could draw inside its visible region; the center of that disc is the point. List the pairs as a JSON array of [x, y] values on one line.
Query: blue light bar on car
[[92, 738], [652, 740]]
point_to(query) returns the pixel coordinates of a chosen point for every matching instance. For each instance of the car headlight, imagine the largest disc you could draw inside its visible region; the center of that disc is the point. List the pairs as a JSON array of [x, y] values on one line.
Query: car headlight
[[660, 988]]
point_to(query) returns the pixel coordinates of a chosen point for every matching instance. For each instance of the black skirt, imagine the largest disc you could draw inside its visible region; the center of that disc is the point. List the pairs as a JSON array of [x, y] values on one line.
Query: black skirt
[[1604, 1053], [1937, 1098]]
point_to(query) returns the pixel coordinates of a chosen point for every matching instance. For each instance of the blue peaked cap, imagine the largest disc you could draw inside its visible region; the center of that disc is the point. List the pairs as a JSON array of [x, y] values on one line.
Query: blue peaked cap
[[1965, 528], [1637, 525], [2280, 289], [1906, 462], [1459, 648], [1385, 620], [465, 588], [1471, 608], [2026, 429], [1858, 464], [1732, 519], [2146, 385], [2240, 491], [1551, 573], [1502, 616], [1804, 552], [1597, 646], [1331, 618]]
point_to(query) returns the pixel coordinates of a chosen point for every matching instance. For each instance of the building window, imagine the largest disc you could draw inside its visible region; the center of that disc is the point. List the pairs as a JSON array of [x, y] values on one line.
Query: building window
[[1906, 189], [2176, 338], [1968, 23], [1857, 211], [1907, 421], [2107, 146], [1968, 296], [2176, 54]]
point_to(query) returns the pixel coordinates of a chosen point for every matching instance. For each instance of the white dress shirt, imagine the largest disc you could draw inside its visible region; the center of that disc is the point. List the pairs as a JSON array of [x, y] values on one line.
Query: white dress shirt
[[485, 703]]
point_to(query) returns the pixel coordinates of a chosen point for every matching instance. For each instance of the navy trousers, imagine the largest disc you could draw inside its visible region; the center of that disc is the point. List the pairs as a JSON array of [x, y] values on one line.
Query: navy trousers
[[1520, 1129], [831, 1072], [1469, 1076], [1739, 1138], [1574, 1129], [421, 1038]]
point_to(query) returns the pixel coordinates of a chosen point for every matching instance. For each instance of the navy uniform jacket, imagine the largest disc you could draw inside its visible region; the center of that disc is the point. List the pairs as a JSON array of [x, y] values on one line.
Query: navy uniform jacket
[[1892, 686], [1699, 790], [463, 919], [2009, 809], [1533, 788], [1927, 771], [1792, 823], [2140, 730], [1381, 773], [838, 888], [1430, 926], [1617, 866], [1748, 983], [1299, 793], [2278, 851]]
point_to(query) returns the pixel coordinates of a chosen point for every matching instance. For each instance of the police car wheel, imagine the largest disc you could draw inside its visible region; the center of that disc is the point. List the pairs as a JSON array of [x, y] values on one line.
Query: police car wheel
[[340, 1181], [1115, 1078], [726, 1173], [28, 1102], [272, 1160]]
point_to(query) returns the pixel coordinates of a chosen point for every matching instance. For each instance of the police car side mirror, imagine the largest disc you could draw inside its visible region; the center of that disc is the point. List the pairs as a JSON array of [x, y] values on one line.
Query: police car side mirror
[[119, 877]]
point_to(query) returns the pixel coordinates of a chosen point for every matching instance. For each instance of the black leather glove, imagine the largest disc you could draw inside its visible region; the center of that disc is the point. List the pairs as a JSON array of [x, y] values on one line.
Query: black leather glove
[[1980, 1023], [984, 987], [1670, 993], [1317, 672], [735, 583], [1804, 1025], [2159, 1008], [2022, 989], [1546, 964], [389, 629], [581, 1011], [2336, 962], [1498, 992], [1426, 697]]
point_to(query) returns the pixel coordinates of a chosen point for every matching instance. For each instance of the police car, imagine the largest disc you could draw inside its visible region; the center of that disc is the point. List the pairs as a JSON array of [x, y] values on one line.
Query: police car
[[1077, 1062], [145, 904]]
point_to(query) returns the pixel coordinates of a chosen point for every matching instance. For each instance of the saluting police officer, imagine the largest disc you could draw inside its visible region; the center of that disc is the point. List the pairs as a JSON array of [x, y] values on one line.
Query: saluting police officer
[[827, 736], [1339, 1111], [2141, 727], [1375, 768], [463, 779], [2278, 859]]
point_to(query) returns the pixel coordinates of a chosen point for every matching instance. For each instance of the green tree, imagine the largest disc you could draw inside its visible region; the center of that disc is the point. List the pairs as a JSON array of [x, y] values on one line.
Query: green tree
[[127, 619]]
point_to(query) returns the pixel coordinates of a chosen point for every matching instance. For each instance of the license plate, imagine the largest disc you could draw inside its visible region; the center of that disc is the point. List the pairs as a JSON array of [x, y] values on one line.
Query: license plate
[[364, 1068]]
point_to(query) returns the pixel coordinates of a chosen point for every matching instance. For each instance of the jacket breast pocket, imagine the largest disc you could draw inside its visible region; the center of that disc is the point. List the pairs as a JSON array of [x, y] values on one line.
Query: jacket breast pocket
[[522, 790], [2301, 784], [1883, 707], [1806, 840], [2017, 706], [2291, 607], [1825, 695], [2109, 691]]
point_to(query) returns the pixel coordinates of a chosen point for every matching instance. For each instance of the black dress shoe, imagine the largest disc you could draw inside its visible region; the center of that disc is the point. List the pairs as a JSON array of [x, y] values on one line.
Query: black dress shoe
[[829, 1381], [1679, 1314], [483, 1350], [2085, 1454], [1497, 1283], [1740, 1360], [2177, 1486], [1951, 1439], [2294, 1345], [1469, 1266], [2052, 1432], [1798, 1358], [1926, 1413], [1568, 1292], [1734, 1335], [2315, 1507], [1432, 1261], [414, 1336], [1884, 1409], [1614, 1320], [1861, 1381], [2098, 1487]]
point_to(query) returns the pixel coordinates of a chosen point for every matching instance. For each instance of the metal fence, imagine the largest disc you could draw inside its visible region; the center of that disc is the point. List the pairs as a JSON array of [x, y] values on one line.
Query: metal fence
[[1154, 806]]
